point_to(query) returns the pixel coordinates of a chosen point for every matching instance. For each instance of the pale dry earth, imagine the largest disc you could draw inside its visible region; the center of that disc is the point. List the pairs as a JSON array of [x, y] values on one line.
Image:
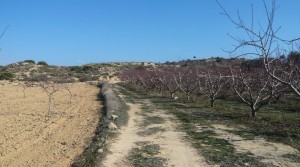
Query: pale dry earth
[[30, 138], [174, 149]]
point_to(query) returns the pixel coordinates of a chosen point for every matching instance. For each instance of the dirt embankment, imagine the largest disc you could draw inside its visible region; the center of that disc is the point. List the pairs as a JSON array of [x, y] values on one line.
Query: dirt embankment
[[30, 138]]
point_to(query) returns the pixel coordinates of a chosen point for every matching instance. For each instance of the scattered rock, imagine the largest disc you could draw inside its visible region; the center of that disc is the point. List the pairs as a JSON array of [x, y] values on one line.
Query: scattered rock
[[114, 117], [112, 126]]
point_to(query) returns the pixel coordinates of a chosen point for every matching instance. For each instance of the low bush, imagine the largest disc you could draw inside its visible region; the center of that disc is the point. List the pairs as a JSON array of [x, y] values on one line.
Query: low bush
[[6, 76], [87, 68], [112, 105], [77, 69], [43, 63], [29, 61]]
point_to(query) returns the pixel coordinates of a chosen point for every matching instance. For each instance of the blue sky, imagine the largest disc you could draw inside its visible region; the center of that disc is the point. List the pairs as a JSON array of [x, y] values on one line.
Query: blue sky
[[75, 32]]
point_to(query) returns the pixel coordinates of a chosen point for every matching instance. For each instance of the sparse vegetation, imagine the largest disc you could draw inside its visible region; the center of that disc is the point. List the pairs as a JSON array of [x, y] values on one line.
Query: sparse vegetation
[[76, 69], [145, 155], [43, 63], [149, 120], [206, 141], [150, 131], [293, 157], [112, 105], [25, 85], [29, 61], [7, 76]]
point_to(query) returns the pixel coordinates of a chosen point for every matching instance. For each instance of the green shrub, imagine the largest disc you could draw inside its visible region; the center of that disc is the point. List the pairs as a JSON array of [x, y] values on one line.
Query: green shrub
[[29, 61], [76, 69], [33, 72], [87, 68], [6, 76], [43, 63], [219, 59], [84, 78], [2, 68]]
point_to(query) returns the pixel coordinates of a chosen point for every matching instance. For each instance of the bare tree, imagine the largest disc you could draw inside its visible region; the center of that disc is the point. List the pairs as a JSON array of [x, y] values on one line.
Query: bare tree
[[2, 34], [3, 83], [25, 85], [255, 89], [263, 41], [136, 78], [68, 87], [50, 89], [4, 31], [154, 78], [187, 81], [169, 83], [144, 79], [212, 85]]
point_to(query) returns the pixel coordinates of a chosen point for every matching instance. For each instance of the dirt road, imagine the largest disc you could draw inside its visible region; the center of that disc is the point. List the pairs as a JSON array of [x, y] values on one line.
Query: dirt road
[[151, 139]]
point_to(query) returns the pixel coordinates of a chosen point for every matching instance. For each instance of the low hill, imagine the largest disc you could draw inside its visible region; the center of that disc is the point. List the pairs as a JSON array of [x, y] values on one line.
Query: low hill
[[30, 71]]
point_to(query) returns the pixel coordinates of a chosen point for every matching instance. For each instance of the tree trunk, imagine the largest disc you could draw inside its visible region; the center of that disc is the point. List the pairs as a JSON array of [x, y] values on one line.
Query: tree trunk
[[188, 97], [172, 95], [253, 112], [70, 97], [24, 93], [50, 106], [70, 100], [160, 91], [212, 102]]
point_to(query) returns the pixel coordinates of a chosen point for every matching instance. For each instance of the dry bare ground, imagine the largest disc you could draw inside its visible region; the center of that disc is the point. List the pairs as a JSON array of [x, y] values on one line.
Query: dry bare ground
[[172, 148], [30, 138]]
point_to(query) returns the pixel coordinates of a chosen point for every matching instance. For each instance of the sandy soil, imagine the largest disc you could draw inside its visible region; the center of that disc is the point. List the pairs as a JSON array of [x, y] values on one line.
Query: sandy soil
[[174, 149], [30, 138]]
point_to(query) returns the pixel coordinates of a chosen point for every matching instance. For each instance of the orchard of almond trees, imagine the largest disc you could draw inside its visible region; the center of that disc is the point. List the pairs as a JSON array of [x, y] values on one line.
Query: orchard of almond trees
[[249, 82]]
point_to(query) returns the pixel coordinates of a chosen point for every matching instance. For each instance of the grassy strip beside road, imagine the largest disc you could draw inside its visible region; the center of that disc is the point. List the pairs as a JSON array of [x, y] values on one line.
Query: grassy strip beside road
[[97, 150]]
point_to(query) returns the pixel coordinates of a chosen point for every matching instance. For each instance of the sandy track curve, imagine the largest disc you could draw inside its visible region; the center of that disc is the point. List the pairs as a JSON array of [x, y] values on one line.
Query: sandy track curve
[[31, 139]]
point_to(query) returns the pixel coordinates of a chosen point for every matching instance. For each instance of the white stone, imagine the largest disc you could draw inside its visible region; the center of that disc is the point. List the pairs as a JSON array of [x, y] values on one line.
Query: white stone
[[114, 117], [112, 126], [100, 150]]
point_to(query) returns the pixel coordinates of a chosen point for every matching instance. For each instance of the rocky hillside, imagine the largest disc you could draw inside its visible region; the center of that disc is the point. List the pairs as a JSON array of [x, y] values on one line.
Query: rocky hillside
[[28, 70]]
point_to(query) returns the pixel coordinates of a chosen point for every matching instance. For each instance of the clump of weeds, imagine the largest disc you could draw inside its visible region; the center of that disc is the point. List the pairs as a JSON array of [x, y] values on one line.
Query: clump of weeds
[[150, 131], [146, 155], [149, 120]]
